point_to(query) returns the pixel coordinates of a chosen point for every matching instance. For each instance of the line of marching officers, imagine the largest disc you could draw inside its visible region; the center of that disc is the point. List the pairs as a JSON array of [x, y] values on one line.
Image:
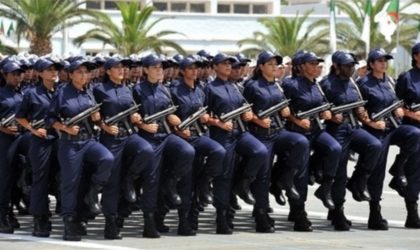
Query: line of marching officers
[[157, 134]]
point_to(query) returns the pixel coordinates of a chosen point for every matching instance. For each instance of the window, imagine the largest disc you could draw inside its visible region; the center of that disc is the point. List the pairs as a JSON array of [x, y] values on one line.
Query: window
[[241, 8], [197, 7], [259, 9], [110, 5], [160, 6], [223, 8], [93, 4], [179, 7]]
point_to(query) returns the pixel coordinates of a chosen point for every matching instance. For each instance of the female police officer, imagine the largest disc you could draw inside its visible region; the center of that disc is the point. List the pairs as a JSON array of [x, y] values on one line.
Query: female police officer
[[292, 149], [340, 89], [128, 148], [377, 88], [78, 147], [224, 97], [408, 89], [154, 98], [43, 143]]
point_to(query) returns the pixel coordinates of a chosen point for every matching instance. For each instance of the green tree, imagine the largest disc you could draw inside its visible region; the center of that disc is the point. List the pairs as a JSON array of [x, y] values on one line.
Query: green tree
[[133, 36], [6, 50], [39, 20], [286, 36], [349, 33]]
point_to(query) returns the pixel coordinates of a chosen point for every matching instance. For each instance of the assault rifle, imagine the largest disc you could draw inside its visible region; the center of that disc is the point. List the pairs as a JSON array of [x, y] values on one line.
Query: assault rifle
[[8, 121], [314, 114], [414, 107], [36, 124], [121, 116], [235, 115], [387, 113], [347, 109], [274, 111], [82, 116], [192, 120], [159, 115]]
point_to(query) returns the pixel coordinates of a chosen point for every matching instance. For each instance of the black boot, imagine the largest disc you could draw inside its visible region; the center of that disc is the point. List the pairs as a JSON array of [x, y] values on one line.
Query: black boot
[[204, 190], [129, 191], [234, 202], [184, 227], [193, 217], [81, 227], [286, 182], [339, 220], [230, 216], [111, 231], [70, 229], [376, 221], [150, 230], [262, 221], [242, 190], [41, 227], [91, 199], [13, 221], [413, 220], [278, 195], [397, 170], [357, 185], [401, 190], [330, 217], [300, 217], [159, 222], [170, 191], [324, 192], [5, 226], [222, 226]]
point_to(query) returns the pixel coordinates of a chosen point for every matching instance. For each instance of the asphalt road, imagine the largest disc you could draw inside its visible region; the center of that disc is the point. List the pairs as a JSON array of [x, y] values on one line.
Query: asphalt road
[[244, 237]]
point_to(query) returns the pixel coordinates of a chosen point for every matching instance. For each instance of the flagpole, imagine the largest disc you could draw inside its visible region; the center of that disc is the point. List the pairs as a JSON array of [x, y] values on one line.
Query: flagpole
[[396, 50]]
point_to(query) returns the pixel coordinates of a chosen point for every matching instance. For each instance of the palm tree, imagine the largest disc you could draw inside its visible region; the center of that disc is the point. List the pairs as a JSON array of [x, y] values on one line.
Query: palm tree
[[283, 36], [134, 35], [349, 34], [39, 20], [7, 50]]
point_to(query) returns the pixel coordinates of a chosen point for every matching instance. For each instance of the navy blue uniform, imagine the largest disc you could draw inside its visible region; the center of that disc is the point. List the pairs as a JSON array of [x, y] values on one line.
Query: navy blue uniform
[[305, 95], [380, 94], [75, 151], [340, 92], [223, 97], [408, 89], [10, 145], [129, 149], [42, 151], [292, 149], [154, 98]]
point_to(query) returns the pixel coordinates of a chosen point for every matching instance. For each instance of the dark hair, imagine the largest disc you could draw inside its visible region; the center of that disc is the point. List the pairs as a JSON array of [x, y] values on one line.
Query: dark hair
[[256, 73], [333, 70], [296, 71]]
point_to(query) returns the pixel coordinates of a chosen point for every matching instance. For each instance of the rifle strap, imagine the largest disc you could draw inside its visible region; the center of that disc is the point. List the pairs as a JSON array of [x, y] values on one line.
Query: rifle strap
[[321, 91], [357, 88]]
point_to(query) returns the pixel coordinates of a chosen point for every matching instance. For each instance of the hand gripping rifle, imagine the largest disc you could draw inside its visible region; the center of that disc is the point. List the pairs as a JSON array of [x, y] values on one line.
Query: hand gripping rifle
[[121, 116], [414, 107], [314, 114], [161, 115], [387, 113], [8, 121], [235, 115], [82, 116], [192, 120], [36, 124], [274, 112], [347, 109]]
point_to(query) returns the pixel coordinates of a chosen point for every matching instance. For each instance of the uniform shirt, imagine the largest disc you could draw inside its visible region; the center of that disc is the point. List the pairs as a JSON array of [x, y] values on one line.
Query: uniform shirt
[[69, 102], [408, 86], [10, 99], [377, 92], [35, 104], [189, 100], [263, 94]]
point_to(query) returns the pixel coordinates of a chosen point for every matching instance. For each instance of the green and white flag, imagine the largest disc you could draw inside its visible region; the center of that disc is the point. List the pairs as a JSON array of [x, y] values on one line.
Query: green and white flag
[[388, 19], [366, 25], [333, 34]]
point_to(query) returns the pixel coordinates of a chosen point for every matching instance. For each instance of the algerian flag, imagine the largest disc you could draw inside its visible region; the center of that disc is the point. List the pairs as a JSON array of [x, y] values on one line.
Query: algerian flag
[[333, 35], [388, 19], [10, 30], [366, 25]]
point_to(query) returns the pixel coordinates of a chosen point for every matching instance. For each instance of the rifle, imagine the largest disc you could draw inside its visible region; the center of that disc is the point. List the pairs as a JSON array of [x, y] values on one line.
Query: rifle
[[159, 115], [192, 120], [387, 113], [82, 116], [348, 110], [8, 121], [121, 116], [234, 115], [314, 114], [414, 107], [274, 111], [36, 124]]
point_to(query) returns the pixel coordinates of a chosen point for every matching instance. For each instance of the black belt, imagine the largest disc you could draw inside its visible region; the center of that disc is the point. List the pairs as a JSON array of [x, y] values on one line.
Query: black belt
[[78, 137], [259, 131]]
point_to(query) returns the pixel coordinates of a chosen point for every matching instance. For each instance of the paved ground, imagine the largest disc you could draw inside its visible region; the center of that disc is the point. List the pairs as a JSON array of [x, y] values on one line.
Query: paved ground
[[323, 237]]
